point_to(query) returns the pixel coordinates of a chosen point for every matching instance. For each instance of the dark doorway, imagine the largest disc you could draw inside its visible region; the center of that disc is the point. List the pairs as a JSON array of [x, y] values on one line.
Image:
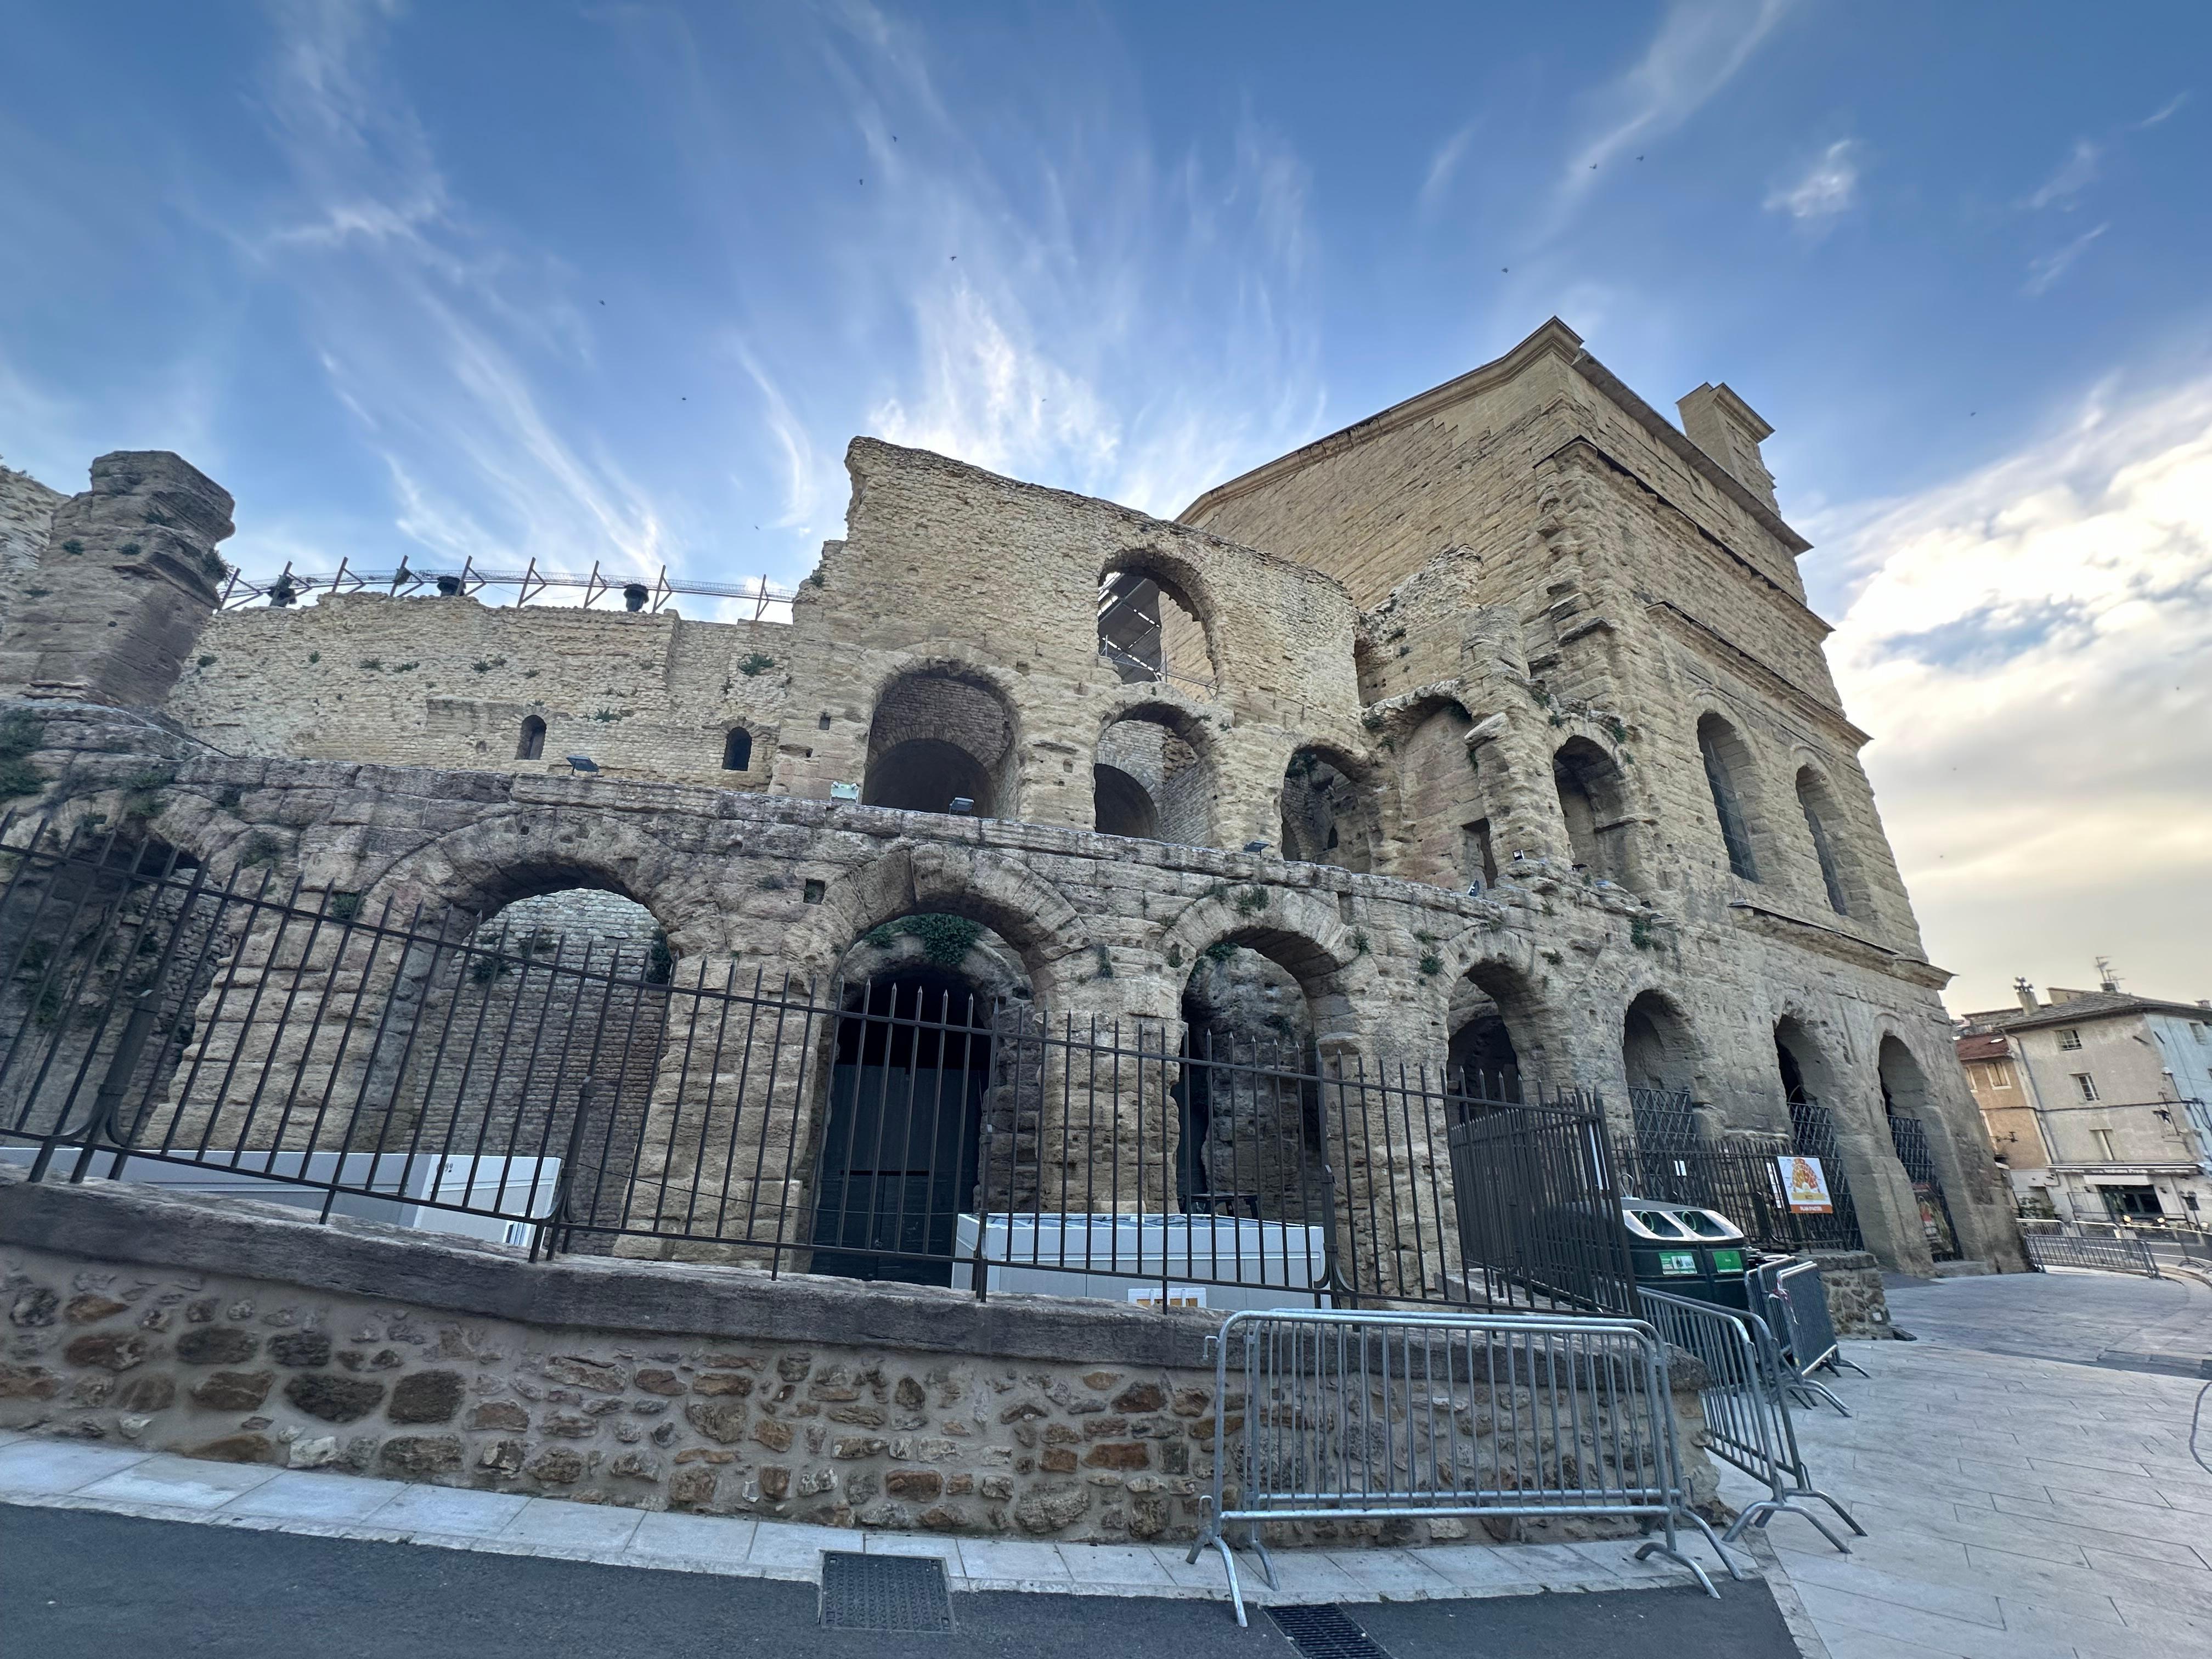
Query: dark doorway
[[927, 774], [1483, 1060], [906, 1107]]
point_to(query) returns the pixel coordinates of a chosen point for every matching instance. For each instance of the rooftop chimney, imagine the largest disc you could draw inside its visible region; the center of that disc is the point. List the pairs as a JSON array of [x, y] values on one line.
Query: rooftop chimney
[[2026, 993], [1730, 431]]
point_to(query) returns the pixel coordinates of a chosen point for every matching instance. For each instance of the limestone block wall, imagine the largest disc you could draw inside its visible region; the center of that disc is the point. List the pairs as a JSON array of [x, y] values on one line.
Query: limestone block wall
[[434, 681], [232, 1332], [27, 512]]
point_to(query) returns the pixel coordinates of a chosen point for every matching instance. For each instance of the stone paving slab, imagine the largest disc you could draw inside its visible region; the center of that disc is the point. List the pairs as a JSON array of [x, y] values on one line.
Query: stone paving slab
[[2023, 1500], [51, 1473]]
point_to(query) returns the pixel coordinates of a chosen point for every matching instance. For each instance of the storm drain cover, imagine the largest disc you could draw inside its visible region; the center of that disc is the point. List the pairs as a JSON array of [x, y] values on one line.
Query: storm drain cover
[[885, 1592], [1324, 1632]]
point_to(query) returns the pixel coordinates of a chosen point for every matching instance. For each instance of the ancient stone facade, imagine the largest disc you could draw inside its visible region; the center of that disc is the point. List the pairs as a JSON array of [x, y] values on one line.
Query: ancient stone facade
[[1497, 726]]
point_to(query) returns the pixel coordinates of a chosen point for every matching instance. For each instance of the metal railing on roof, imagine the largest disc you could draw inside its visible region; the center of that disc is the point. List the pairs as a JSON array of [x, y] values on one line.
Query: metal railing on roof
[[770, 602]]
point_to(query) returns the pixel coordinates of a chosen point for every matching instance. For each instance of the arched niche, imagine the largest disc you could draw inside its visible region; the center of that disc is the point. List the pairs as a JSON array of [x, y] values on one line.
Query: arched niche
[[1594, 801], [938, 736], [1164, 758], [530, 745], [1328, 809], [1441, 808], [1916, 1134]]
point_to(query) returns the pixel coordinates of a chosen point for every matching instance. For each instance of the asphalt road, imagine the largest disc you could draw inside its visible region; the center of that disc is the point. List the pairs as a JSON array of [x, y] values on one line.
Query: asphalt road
[[81, 1585]]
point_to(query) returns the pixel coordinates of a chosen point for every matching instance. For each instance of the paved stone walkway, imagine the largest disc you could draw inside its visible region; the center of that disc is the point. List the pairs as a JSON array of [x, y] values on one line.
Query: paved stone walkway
[[2023, 1501]]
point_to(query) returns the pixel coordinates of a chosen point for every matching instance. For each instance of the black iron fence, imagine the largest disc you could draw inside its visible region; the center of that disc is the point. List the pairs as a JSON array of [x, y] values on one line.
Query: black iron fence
[[158, 1023], [1748, 1180]]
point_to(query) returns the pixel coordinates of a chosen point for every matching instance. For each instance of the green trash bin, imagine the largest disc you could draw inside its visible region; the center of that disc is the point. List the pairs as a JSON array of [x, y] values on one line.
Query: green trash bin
[[1687, 1250]]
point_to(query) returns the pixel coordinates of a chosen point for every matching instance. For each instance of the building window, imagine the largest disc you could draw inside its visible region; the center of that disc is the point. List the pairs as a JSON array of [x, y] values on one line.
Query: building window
[[2087, 1085], [737, 749], [2069, 1038], [2103, 1139], [2000, 1077], [1810, 793], [531, 747], [2197, 1029]]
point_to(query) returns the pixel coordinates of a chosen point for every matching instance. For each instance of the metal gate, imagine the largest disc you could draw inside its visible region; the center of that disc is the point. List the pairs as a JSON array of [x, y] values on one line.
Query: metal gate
[[1910, 1136]]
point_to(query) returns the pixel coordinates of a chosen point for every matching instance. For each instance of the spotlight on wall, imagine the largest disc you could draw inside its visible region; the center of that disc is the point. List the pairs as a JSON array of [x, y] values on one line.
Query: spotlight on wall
[[1474, 890], [582, 763], [961, 806], [1255, 846]]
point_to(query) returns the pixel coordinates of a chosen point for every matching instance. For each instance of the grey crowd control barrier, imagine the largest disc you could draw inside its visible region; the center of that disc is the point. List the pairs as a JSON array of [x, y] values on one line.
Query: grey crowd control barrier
[[1371, 1416], [1746, 1410]]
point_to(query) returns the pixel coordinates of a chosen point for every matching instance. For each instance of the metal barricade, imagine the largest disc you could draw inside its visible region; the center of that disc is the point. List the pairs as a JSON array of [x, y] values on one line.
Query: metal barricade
[[2123, 1252], [1373, 1416], [1794, 1302], [1746, 1415]]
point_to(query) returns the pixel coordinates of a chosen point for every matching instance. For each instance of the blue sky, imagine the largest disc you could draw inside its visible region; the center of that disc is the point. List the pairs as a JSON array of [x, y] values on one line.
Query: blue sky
[[617, 281]]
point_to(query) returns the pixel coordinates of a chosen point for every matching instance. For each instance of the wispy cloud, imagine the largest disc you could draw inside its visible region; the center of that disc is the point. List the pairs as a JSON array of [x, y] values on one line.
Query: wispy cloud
[[1142, 345], [1444, 168], [433, 329], [2046, 269], [2056, 609], [1699, 48], [2076, 175], [1828, 187], [2169, 107]]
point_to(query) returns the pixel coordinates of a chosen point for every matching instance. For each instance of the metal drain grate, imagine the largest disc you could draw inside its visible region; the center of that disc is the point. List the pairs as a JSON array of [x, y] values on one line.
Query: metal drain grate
[[1324, 1632], [883, 1592]]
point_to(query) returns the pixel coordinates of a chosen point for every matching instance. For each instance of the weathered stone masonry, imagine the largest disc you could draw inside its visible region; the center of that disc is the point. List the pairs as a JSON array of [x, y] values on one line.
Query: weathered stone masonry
[[1583, 632], [241, 1333]]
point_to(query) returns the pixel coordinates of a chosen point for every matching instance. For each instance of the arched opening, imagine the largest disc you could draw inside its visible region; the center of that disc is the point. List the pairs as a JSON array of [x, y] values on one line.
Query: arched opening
[[938, 739], [1904, 1102], [1729, 775], [1807, 1087], [1496, 1039], [1329, 811], [738, 751], [1249, 1137], [1660, 1062], [1822, 824], [532, 743], [553, 1008], [1593, 799], [1164, 771], [1150, 630], [927, 1039], [1122, 805]]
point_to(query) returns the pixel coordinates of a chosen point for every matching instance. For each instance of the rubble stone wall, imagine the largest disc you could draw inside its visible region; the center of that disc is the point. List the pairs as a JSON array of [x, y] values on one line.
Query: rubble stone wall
[[232, 1332]]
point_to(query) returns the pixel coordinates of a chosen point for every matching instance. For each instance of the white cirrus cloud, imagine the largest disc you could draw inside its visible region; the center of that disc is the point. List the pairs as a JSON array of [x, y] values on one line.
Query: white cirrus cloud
[[1826, 188], [2045, 270], [2075, 174], [2032, 646], [1699, 49]]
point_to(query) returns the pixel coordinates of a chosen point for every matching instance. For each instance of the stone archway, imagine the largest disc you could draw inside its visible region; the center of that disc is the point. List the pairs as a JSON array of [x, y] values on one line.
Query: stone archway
[[940, 737]]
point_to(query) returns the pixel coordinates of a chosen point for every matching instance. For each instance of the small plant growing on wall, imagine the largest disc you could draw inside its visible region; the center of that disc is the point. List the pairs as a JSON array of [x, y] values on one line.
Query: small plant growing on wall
[[1431, 965], [343, 906], [72, 546], [19, 738], [1252, 901], [374, 664], [757, 662], [1221, 951], [259, 848]]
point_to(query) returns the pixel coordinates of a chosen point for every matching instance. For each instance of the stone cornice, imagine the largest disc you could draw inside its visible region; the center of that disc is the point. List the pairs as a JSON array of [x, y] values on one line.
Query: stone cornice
[[1834, 942], [1689, 627]]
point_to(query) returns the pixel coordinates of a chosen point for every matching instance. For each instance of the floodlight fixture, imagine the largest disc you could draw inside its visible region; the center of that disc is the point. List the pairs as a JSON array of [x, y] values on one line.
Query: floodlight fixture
[[582, 763]]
